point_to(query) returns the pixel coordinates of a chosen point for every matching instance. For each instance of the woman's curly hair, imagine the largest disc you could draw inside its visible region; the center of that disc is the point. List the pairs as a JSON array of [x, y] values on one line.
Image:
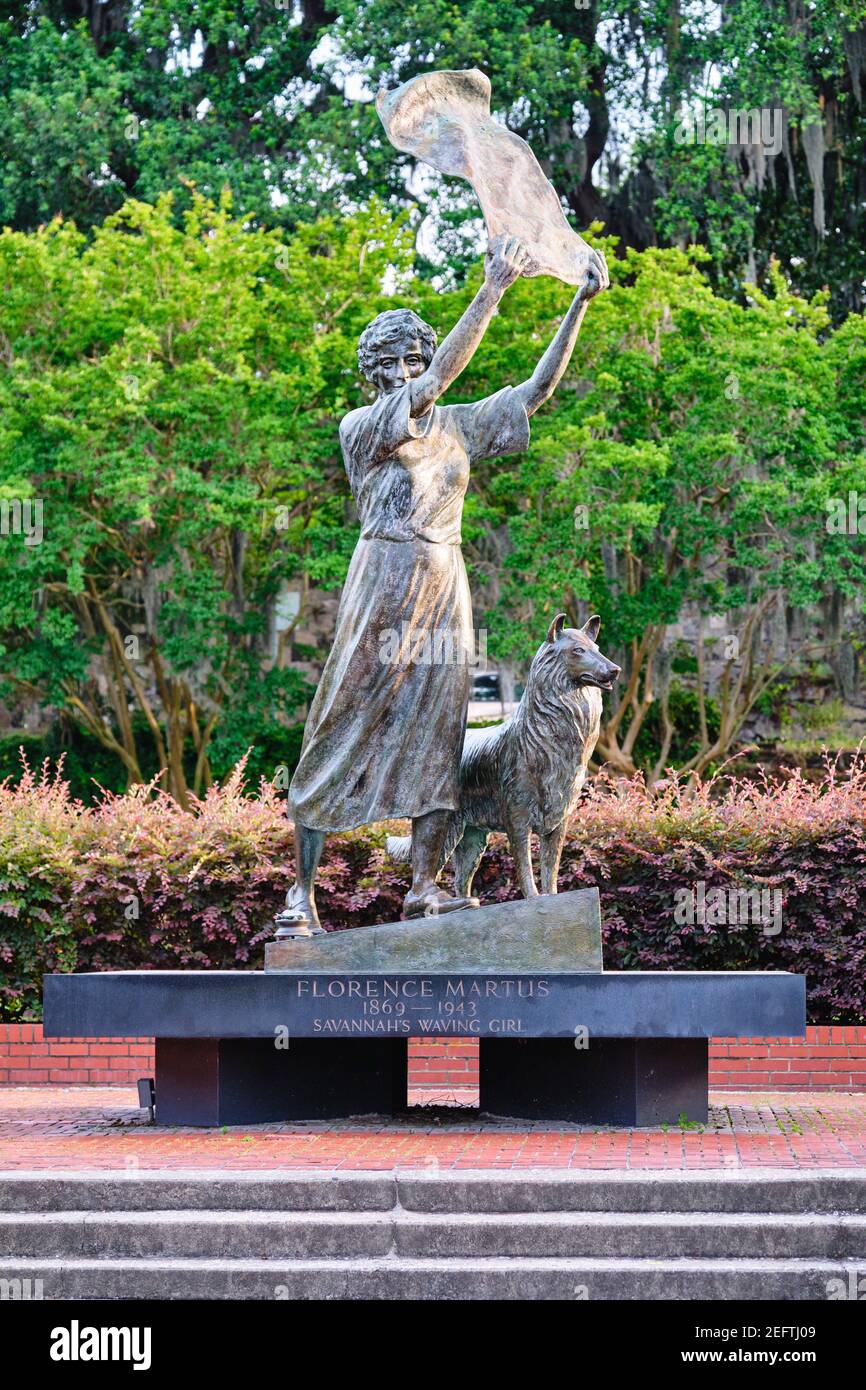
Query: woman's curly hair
[[389, 328]]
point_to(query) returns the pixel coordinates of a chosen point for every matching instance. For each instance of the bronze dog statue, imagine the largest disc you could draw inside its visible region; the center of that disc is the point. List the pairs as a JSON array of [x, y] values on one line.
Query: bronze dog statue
[[524, 776]]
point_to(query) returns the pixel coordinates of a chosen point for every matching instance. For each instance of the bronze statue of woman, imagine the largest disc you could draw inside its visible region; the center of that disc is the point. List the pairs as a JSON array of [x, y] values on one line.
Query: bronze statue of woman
[[385, 729]]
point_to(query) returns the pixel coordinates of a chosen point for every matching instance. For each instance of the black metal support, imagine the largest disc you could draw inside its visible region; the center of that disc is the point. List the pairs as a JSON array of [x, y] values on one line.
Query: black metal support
[[617, 1081], [236, 1081]]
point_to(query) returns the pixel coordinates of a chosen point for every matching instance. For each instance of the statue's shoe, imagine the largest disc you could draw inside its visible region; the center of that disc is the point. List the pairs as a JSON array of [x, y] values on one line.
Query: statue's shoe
[[299, 916], [433, 904]]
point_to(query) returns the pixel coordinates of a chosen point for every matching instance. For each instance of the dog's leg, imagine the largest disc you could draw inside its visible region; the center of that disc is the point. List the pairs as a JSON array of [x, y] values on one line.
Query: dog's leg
[[520, 843], [467, 857], [551, 852]]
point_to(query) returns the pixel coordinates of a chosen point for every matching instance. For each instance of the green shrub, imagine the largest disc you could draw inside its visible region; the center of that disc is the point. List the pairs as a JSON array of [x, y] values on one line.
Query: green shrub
[[135, 882]]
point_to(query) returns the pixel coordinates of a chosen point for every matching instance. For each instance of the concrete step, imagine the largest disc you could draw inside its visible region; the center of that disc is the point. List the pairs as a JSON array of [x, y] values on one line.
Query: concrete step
[[406, 1278], [345, 1235], [229, 1234], [777, 1190], [485, 1235], [196, 1190], [780, 1191], [630, 1235]]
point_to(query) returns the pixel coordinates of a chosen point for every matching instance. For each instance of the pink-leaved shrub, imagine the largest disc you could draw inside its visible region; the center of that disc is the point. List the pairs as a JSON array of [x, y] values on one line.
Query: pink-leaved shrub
[[135, 882]]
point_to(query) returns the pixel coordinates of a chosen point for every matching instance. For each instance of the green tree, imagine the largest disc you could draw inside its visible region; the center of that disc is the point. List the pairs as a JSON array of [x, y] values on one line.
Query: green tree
[[599, 91], [686, 461], [170, 392], [170, 395], [101, 100]]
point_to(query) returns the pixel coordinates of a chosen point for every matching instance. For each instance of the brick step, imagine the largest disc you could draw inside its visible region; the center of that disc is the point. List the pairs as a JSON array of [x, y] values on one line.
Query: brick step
[[405, 1278], [267, 1235], [812, 1191]]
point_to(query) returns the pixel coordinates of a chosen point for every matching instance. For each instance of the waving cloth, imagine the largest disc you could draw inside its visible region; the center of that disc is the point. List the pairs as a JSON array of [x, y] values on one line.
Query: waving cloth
[[444, 119]]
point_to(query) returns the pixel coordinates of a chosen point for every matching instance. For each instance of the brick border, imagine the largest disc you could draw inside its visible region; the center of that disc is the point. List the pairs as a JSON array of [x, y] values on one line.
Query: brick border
[[829, 1059], [449, 1063], [29, 1059]]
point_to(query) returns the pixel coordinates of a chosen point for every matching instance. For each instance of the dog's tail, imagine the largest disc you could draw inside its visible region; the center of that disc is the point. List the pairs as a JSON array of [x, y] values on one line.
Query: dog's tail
[[399, 847]]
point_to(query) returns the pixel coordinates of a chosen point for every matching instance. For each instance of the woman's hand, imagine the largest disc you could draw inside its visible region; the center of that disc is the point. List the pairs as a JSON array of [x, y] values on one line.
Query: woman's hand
[[505, 262], [597, 277]]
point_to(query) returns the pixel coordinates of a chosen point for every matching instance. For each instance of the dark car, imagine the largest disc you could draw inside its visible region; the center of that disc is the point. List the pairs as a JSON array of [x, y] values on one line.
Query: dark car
[[486, 687]]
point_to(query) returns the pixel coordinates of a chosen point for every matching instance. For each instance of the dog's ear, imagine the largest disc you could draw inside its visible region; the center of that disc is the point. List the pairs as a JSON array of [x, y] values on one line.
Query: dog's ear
[[591, 627], [554, 632]]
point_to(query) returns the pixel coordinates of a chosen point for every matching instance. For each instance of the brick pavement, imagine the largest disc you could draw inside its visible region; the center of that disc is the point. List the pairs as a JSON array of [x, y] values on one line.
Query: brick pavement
[[92, 1127]]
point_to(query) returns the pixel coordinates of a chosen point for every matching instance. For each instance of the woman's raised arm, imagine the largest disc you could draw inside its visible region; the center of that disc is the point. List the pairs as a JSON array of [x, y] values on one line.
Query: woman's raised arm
[[503, 264], [548, 374]]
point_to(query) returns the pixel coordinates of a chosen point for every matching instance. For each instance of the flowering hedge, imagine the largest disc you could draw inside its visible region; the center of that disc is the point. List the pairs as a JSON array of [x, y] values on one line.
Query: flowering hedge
[[136, 882]]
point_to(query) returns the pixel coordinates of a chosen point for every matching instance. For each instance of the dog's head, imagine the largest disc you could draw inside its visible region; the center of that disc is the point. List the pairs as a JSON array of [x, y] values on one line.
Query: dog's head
[[578, 653]]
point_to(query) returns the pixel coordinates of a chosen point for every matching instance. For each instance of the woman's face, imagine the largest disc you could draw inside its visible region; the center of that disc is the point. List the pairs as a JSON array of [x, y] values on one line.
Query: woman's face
[[398, 363]]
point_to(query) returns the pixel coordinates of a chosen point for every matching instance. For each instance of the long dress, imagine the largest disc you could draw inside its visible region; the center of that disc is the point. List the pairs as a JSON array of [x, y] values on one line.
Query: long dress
[[385, 729]]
